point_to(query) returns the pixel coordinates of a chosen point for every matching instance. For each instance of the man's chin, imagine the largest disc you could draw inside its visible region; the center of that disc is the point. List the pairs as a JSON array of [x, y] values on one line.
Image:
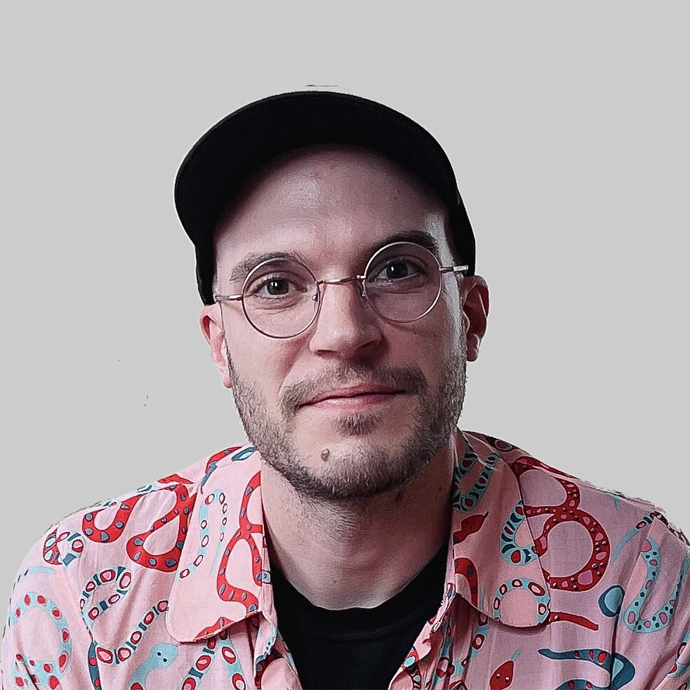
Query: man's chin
[[348, 469]]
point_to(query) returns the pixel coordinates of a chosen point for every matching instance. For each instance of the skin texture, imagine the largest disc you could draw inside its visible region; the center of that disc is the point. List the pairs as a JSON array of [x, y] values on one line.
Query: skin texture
[[346, 478]]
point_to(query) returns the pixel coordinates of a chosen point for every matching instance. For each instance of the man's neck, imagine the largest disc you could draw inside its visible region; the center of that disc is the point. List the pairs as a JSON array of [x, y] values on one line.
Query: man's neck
[[358, 553]]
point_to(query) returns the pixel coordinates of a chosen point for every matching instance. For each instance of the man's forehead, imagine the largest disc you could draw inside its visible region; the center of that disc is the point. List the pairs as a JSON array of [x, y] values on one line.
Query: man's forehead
[[280, 215], [295, 176]]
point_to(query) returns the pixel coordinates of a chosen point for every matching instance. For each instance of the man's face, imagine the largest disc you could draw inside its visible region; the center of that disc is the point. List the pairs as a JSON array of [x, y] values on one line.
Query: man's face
[[355, 405]]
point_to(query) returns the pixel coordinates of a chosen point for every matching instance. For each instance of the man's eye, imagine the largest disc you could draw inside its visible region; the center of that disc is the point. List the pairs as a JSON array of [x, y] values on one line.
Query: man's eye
[[396, 270], [399, 269], [277, 286], [272, 286]]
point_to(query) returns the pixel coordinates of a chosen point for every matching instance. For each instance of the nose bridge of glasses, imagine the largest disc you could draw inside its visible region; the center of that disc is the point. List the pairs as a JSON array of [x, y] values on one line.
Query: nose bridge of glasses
[[359, 279], [353, 309]]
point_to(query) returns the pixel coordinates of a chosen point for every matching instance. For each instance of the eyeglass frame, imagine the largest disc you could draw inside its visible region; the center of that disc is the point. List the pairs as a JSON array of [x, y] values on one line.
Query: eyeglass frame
[[455, 270]]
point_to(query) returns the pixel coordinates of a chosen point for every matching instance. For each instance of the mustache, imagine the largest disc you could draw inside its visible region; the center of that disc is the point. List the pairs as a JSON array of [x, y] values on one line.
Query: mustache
[[409, 379]]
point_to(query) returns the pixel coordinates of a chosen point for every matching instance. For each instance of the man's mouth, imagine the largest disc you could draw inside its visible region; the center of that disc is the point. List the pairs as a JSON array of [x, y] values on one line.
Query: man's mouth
[[352, 389], [354, 395]]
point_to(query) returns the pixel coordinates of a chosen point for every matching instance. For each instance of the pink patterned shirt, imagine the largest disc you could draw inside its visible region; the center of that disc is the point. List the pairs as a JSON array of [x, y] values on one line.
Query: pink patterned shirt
[[551, 584]]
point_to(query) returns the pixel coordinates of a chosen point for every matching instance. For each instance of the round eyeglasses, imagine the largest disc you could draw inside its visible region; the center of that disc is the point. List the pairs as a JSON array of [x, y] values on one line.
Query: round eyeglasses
[[401, 282]]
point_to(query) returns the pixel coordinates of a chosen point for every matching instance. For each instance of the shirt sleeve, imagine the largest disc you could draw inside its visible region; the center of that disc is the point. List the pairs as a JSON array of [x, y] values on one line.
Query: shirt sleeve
[[655, 619], [46, 643]]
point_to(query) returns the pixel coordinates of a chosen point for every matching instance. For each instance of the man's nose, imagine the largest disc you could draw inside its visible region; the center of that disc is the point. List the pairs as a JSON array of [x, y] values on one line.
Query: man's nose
[[346, 324]]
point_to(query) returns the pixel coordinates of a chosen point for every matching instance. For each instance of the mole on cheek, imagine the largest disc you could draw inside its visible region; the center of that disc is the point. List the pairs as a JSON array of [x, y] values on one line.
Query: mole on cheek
[[324, 454]]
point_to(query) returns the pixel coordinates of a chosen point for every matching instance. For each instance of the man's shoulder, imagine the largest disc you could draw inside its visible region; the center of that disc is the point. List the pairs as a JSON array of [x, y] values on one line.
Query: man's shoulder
[[553, 496], [600, 544], [125, 525]]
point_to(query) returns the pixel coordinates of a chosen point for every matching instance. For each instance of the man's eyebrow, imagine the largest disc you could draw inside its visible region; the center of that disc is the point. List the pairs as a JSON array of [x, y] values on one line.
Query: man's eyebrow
[[424, 239], [251, 261]]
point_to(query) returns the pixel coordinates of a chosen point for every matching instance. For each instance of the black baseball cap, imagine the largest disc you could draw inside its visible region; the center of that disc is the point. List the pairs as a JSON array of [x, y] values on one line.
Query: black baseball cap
[[219, 164]]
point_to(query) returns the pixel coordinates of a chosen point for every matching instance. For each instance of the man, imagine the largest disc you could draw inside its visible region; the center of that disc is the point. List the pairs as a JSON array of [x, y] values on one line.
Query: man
[[361, 541]]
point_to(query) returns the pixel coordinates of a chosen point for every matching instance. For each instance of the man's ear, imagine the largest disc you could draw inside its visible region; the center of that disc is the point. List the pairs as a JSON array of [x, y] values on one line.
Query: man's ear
[[475, 311], [211, 324]]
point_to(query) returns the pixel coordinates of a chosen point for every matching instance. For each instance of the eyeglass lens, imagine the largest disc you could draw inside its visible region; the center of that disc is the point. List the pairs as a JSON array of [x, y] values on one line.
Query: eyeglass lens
[[402, 283]]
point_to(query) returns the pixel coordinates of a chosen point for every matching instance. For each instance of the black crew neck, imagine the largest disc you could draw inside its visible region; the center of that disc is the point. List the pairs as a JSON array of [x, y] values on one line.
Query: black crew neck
[[356, 647], [406, 605]]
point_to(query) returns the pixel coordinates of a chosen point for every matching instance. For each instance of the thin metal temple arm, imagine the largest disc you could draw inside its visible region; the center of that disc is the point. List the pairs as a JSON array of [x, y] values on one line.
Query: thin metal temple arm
[[452, 269]]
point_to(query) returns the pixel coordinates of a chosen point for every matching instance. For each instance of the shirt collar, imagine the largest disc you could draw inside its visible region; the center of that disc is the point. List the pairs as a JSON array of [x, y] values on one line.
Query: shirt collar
[[224, 567], [495, 563]]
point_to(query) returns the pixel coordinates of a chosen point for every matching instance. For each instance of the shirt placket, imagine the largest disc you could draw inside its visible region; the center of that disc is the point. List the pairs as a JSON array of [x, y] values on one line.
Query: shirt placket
[[269, 649], [440, 654]]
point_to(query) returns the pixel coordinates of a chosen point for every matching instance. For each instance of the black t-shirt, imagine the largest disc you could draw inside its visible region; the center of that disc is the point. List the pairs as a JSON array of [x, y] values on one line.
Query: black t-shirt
[[356, 648]]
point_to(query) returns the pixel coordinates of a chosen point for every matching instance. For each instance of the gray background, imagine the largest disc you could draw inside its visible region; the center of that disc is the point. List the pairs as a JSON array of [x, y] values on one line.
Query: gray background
[[568, 127]]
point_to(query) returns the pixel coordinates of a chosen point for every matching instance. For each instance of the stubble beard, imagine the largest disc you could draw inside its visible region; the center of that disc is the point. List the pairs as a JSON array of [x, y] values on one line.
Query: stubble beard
[[367, 469]]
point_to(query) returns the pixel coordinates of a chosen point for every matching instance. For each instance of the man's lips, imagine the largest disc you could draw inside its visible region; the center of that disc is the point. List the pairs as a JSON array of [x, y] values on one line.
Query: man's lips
[[351, 388], [361, 391]]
